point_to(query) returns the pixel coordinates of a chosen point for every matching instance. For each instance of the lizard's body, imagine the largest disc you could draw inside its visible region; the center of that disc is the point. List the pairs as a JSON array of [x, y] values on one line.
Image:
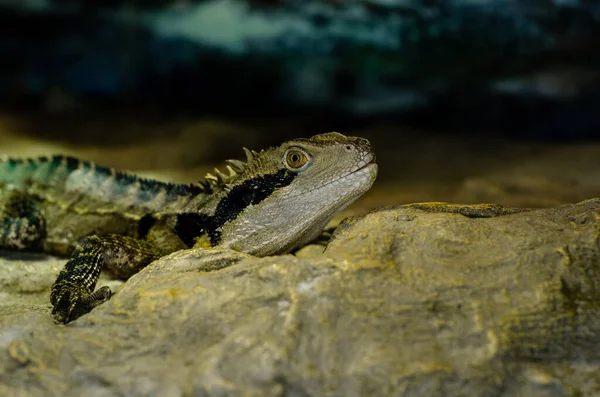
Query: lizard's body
[[278, 200]]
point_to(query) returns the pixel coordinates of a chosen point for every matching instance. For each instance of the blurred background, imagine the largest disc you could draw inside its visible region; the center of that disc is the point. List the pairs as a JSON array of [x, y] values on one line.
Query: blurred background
[[464, 100]]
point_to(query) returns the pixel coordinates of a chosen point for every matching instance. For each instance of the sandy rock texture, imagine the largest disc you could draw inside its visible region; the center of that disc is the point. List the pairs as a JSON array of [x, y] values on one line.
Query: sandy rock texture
[[417, 300]]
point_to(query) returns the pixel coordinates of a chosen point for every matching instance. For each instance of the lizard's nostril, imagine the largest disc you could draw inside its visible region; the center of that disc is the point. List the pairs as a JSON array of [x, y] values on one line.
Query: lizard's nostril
[[362, 143]]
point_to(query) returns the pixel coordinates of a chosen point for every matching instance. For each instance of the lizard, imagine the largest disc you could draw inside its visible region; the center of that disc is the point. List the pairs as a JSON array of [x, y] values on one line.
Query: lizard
[[275, 201]]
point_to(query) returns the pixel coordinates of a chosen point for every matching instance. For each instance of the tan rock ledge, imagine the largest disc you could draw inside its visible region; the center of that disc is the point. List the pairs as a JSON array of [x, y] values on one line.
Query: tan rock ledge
[[419, 300]]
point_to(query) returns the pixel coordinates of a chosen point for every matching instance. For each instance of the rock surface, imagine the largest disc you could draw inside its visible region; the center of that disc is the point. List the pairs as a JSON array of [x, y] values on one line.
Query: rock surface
[[418, 300]]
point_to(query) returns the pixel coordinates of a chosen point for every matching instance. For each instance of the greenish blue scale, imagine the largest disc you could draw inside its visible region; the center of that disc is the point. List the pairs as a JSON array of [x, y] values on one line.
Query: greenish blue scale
[[45, 170], [65, 172], [59, 169], [16, 172]]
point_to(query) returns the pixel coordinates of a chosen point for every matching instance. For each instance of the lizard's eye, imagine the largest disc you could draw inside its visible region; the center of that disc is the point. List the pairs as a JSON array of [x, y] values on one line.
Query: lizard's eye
[[296, 159]]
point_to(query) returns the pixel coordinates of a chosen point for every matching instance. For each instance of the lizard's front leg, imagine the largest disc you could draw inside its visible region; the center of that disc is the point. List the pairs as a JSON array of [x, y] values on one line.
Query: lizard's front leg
[[73, 292]]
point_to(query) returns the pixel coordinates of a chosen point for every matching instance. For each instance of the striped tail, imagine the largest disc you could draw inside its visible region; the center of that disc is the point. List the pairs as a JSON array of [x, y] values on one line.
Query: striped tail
[[65, 173], [23, 173]]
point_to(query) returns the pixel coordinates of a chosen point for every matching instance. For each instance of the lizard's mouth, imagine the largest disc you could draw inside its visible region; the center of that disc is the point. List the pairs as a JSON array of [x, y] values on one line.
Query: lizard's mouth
[[368, 163]]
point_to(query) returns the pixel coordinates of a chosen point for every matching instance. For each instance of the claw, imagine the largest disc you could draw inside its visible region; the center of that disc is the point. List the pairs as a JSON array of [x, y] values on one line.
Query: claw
[[75, 303], [71, 301], [69, 315]]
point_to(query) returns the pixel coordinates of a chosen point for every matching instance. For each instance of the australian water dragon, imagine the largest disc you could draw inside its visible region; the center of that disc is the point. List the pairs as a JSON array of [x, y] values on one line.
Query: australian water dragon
[[277, 200]]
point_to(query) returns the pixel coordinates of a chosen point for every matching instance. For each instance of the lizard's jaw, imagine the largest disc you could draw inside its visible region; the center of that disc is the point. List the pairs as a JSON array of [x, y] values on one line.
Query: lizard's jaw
[[278, 225]]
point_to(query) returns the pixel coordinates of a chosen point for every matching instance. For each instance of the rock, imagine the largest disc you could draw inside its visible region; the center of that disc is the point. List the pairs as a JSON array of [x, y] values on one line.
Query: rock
[[426, 299]]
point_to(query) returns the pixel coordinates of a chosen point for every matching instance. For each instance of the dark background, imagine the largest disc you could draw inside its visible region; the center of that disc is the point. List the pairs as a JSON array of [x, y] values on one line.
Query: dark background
[[442, 88]]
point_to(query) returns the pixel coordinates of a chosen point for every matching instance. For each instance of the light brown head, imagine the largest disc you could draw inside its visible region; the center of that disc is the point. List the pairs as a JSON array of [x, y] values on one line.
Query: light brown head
[[282, 197]]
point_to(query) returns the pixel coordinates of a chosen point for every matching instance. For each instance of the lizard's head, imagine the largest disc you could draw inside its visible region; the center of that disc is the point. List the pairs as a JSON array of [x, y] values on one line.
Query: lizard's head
[[327, 168], [282, 197]]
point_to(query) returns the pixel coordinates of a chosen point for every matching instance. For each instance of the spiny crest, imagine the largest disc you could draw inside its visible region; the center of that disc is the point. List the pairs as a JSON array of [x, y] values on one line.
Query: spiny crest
[[234, 168]]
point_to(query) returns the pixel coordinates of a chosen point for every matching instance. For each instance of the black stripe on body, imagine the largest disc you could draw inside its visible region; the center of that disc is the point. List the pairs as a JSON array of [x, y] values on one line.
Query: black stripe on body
[[191, 225], [72, 162], [14, 162], [145, 224]]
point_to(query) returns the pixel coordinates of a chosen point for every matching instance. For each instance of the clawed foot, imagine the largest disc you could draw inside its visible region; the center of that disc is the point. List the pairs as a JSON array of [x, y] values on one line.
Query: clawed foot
[[71, 301]]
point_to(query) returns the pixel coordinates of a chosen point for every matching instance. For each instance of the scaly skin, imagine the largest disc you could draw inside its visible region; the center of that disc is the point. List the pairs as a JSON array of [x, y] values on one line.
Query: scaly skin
[[278, 200]]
